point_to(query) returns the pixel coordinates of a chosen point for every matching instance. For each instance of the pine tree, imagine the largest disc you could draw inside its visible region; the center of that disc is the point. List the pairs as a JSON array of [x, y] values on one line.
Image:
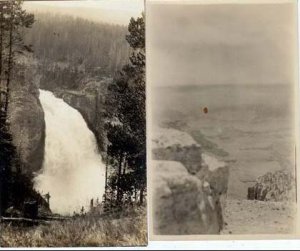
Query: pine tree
[[2, 25], [17, 19], [126, 130], [7, 156]]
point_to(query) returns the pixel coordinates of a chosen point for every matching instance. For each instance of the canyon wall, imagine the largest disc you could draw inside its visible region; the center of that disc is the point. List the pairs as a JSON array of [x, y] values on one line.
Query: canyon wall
[[26, 118]]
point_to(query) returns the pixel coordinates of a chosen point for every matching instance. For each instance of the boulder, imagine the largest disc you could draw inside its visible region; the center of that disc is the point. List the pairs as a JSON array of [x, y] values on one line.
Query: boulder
[[182, 204], [277, 186]]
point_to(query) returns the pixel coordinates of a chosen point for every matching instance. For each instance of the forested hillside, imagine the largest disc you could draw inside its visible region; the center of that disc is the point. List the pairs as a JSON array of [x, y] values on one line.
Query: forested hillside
[[68, 49]]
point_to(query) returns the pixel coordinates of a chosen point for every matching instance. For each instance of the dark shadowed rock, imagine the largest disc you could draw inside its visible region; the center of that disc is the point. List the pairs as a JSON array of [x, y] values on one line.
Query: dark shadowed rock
[[30, 209]]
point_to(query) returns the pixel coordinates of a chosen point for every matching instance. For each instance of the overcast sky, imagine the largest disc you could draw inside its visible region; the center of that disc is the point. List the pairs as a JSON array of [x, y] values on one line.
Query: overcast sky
[[221, 44], [111, 11]]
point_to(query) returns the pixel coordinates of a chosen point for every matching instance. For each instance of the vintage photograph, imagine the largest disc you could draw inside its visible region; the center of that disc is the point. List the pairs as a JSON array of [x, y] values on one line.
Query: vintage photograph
[[222, 123], [73, 123]]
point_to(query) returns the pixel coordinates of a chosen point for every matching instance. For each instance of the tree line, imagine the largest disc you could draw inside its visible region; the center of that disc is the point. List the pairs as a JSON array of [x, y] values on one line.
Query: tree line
[[68, 49]]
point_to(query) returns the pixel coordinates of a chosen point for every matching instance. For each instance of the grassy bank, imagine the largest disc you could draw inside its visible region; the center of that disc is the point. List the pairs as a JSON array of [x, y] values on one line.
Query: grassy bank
[[128, 228]]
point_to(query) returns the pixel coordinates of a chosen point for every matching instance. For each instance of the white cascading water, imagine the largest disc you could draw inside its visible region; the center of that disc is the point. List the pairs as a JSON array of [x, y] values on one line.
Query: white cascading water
[[73, 172]]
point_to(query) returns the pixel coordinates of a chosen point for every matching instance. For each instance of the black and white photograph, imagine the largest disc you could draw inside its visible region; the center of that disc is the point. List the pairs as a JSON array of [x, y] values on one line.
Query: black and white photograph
[[156, 124], [222, 129], [73, 124]]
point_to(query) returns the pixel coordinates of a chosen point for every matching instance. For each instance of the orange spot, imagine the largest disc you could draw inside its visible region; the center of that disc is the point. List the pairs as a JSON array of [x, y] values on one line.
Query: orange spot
[[205, 110]]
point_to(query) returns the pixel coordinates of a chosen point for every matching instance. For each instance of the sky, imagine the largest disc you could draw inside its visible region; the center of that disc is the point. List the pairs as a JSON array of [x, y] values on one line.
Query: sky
[[109, 11], [221, 44]]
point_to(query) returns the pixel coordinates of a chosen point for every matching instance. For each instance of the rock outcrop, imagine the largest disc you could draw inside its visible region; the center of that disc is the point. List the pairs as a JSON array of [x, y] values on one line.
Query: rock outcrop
[[278, 186], [26, 118], [171, 144], [189, 187]]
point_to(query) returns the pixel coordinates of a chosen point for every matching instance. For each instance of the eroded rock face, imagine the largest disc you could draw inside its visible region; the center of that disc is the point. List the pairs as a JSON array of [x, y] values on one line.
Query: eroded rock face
[[216, 173], [171, 144], [26, 118], [278, 186], [190, 187]]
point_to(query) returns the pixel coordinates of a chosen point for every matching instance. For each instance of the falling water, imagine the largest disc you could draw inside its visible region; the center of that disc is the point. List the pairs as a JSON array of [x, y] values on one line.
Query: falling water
[[73, 172]]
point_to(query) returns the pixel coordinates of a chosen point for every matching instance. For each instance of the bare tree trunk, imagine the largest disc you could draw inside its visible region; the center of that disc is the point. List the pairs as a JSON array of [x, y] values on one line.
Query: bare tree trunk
[[1, 40], [142, 195], [2, 93], [119, 177], [135, 194], [106, 167], [125, 166], [10, 56]]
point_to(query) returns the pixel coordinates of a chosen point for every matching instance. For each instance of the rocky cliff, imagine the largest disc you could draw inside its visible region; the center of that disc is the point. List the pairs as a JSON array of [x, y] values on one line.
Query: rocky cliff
[[26, 118], [189, 186]]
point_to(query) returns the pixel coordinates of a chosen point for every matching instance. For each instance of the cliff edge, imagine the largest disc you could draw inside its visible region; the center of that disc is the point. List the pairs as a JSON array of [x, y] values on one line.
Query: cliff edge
[[189, 186]]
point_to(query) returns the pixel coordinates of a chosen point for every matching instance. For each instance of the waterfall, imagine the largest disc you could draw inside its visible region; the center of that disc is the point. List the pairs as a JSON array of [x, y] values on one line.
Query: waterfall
[[73, 172]]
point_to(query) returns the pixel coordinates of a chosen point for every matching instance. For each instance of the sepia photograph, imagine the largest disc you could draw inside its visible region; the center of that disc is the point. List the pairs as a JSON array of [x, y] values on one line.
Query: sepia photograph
[[72, 124], [222, 126]]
